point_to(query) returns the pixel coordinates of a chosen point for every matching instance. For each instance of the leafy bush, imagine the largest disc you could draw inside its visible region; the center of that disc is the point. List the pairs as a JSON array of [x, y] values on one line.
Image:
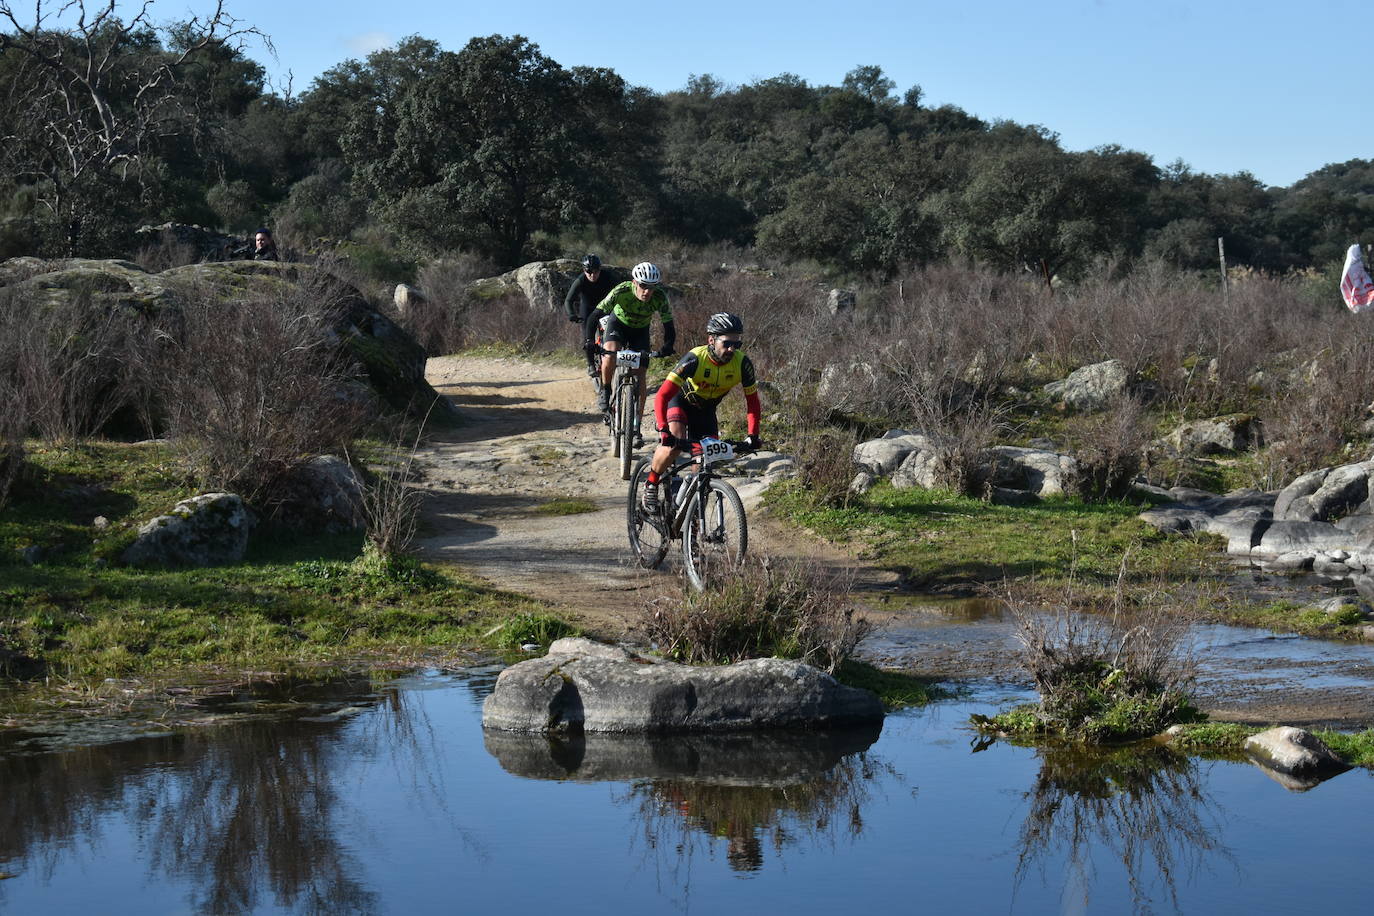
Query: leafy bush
[[760, 609]]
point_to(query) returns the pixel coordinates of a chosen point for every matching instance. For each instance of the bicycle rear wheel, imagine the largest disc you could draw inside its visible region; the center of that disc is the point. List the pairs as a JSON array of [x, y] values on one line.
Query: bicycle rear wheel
[[648, 536], [715, 535]]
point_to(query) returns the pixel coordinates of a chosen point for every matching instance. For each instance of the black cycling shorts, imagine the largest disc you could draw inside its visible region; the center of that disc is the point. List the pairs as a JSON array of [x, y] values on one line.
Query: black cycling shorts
[[613, 329], [701, 421]]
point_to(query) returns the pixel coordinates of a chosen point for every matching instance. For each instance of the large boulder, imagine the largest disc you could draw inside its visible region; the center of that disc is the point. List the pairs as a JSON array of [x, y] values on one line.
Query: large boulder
[[1093, 387], [1295, 753], [207, 530], [1326, 494], [325, 493], [581, 686], [884, 455], [543, 283]]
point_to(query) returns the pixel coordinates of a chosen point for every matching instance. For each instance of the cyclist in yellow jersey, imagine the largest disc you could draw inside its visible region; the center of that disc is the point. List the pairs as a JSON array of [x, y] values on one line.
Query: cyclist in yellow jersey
[[685, 408]]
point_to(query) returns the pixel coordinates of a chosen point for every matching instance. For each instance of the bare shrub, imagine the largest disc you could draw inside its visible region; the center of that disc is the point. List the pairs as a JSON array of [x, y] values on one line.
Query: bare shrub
[[391, 505], [14, 419], [69, 361], [1110, 448], [164, 252], [961, 431], [255, 386], [1113, 672], [761, 608], [825, 464], [1318, 406]]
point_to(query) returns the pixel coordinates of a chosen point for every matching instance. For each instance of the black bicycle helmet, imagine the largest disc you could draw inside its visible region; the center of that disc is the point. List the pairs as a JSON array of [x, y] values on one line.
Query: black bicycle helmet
[[591, 262], [724, 323]]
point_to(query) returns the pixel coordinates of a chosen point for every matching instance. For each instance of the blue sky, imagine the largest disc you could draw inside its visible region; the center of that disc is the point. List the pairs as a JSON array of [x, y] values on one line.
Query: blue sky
[[1274, 88]]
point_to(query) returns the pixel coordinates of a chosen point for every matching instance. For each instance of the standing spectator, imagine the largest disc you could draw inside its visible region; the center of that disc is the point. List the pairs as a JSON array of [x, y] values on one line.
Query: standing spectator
[[588, 289], [264, 247]]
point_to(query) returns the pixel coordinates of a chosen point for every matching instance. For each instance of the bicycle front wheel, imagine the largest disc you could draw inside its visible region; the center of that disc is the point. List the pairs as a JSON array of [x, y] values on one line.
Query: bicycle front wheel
[[715, 535], [648, 535], [629, 423]]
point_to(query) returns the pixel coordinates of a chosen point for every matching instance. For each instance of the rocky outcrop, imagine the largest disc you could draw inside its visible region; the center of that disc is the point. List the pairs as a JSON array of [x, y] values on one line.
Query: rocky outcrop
[[204, 244], [1013, 474], [543, 283], [1323, 522], [393, 362], [582, 686], [1295, 757], [207, 530]]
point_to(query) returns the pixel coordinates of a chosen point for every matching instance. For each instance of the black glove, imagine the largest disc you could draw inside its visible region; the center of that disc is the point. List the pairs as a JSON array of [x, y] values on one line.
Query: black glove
[[665, 350], [753, 443], [667, 438]]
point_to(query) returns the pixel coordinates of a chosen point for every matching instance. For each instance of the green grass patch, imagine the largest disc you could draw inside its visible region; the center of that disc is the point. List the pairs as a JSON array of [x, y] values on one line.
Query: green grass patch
[[296, 599], [942, 541], [895, 688], [1224, 738], [1286, 616], [566, 505], [1356, 749]]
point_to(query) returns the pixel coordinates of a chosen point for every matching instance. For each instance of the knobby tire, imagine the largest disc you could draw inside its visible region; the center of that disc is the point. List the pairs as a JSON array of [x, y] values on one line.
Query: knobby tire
[[629, 423], [717, 539], [648, 540]]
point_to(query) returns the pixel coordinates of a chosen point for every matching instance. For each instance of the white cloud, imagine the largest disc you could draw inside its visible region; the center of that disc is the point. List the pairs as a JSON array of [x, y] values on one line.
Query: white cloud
[[367, 42]]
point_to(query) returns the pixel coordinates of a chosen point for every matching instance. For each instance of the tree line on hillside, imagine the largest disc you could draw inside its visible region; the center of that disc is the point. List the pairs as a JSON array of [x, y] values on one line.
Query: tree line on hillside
[[500, 151]]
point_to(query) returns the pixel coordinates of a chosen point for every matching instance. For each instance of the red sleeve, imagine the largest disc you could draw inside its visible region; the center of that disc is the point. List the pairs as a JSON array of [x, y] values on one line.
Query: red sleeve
[[666, 392], [754, 411]]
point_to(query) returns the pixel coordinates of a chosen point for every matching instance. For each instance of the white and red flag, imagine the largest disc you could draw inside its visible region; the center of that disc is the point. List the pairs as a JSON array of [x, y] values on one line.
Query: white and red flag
[[1356, 288]]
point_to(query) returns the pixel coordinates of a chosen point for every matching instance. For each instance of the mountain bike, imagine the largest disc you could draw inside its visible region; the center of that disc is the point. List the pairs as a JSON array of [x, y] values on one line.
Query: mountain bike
[[696, 507], [625, 400]]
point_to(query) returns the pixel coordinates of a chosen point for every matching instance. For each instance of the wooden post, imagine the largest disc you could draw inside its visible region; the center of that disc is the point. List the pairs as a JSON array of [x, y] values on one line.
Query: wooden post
[[1045, 272], [1225, 290]]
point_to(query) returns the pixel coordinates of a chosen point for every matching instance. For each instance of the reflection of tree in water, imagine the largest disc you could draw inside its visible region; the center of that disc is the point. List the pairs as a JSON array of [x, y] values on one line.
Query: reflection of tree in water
[[681, 816], [256, 805], [235, 811], [1144, 805]]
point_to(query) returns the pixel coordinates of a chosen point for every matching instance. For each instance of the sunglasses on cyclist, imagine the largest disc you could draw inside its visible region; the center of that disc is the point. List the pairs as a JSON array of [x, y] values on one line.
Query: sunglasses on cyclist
[[726, 344]]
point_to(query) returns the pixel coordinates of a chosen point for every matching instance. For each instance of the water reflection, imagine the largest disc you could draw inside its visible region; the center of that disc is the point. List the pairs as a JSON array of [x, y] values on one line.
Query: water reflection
[[1143, 805], [238, 813], [753, 791]]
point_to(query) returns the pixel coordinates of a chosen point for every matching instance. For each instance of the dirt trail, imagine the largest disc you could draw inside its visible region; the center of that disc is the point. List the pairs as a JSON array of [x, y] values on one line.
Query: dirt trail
[[530, 435]]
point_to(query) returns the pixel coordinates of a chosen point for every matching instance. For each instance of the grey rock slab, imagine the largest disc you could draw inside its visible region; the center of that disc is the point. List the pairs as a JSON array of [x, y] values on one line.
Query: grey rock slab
[[581, 689]]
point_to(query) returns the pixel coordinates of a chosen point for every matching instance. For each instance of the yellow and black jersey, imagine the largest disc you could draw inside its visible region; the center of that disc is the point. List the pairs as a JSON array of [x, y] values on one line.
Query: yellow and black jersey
[[704, 381]]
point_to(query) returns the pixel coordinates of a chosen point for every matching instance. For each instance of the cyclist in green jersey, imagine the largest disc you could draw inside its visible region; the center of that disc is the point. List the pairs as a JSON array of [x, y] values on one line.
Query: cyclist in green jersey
[[624, 317]]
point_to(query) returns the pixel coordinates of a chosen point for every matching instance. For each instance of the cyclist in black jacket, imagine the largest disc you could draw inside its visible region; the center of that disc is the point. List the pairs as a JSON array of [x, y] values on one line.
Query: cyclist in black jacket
[[587, 290]]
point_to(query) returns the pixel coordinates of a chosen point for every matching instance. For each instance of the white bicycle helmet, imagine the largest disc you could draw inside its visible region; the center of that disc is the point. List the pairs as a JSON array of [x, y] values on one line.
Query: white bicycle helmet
[[646, 274]]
